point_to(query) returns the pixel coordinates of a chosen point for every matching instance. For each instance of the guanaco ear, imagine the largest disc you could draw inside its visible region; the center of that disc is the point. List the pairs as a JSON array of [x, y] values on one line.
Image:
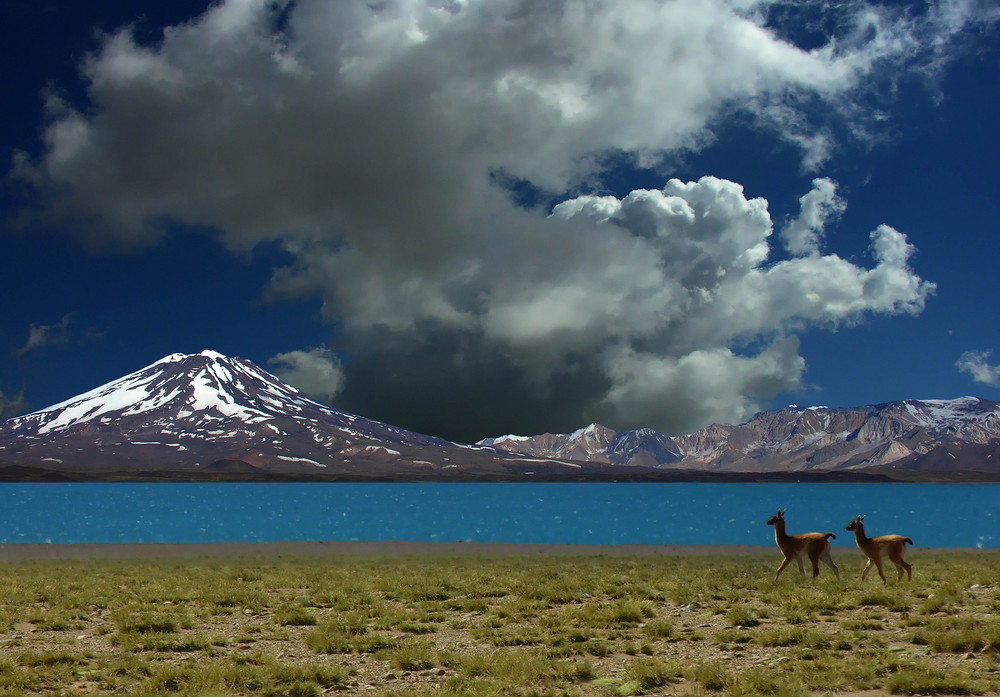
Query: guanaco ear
[[781, 513]]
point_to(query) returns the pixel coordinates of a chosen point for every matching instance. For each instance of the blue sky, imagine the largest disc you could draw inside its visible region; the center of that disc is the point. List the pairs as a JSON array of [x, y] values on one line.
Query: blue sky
[[472, 218]]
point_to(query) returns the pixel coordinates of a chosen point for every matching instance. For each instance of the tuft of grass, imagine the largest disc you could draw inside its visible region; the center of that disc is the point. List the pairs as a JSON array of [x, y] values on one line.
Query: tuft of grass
[[412, 657], [733, 636], [324, 676], [139, 622], [891, 600], [794, 636], [34, 659], [760, 682], [742, 616], [659, 629], [163, 643], [375, 642], [329, 639], [517, 636], [294, 616], [960, 634], [925, 680], [651, 674], [712, 676]]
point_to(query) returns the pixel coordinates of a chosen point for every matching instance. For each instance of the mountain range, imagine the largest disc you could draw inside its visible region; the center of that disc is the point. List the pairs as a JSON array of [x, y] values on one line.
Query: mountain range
[[210, 417], [910, 439]]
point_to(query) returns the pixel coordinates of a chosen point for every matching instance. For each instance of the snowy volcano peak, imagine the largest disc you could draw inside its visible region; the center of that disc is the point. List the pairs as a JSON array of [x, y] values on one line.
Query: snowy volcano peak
[[209, 416], [206, 385]]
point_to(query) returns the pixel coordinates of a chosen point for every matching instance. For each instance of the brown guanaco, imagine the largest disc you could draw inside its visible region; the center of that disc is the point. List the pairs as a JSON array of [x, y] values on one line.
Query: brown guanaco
[[875, 547], [816, 545]]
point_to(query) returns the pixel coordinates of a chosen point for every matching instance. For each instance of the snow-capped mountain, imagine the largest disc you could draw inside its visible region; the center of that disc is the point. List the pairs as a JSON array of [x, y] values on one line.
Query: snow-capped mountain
[[938, 436], [209, 413], [639, 448]]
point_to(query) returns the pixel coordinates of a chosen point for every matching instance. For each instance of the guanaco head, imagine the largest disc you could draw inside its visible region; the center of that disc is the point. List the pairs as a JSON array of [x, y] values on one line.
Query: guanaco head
[[780, 515], [855, 524]]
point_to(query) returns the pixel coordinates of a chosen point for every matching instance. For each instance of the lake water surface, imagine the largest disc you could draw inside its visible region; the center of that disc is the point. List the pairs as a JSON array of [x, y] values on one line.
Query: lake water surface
[[934, 515]]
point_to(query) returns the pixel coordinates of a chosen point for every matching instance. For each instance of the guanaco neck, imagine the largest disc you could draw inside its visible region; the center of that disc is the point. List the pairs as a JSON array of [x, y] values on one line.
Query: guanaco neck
[[859, 535], [779, 531]]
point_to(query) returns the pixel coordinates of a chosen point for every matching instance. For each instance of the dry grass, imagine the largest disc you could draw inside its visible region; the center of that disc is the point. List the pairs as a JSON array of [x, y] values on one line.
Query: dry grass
[[525, 626]]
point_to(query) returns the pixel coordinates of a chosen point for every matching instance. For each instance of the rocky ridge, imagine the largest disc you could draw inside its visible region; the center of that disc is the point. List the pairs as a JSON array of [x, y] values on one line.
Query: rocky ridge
[[920, 435]]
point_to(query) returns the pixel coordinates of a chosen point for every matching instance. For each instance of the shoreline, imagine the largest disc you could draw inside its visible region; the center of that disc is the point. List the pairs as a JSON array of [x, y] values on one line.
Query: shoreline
[[16, 552]]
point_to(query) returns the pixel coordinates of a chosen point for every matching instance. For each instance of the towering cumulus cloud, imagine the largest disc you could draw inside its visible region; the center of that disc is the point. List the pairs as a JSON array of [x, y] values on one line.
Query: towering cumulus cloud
[[379, 144]]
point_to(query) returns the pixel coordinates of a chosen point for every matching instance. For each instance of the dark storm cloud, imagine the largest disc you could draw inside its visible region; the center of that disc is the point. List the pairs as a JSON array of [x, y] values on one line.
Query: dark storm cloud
[[460, 387]]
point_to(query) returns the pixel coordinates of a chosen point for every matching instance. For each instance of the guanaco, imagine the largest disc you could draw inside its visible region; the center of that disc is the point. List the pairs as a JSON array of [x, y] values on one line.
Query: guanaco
[[814, 544], [874, 547]]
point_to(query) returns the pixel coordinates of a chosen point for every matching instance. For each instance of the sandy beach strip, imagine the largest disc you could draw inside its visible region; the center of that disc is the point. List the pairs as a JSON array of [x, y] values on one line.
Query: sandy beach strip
[[153, 550], [157, 550]]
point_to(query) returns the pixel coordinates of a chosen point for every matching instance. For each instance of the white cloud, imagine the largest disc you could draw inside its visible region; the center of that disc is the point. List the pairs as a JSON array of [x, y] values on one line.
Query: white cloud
[[308, 129], [40, 335], [711, 243], [369, 140], [701, 387], [976, 364], [316, 371], [12, 406], [802, 235]]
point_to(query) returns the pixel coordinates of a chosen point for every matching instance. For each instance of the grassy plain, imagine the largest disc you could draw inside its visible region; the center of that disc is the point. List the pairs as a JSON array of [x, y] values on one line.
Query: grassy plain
[[471, 625]]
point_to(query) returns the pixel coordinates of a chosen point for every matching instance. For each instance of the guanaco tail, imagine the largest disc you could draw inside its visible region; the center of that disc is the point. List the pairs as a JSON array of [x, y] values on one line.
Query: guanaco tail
[[816, 545], [875, 547]]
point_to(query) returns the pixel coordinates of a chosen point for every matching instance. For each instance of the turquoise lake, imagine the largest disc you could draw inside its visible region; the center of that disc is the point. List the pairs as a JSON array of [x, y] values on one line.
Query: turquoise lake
[[934, 515]]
